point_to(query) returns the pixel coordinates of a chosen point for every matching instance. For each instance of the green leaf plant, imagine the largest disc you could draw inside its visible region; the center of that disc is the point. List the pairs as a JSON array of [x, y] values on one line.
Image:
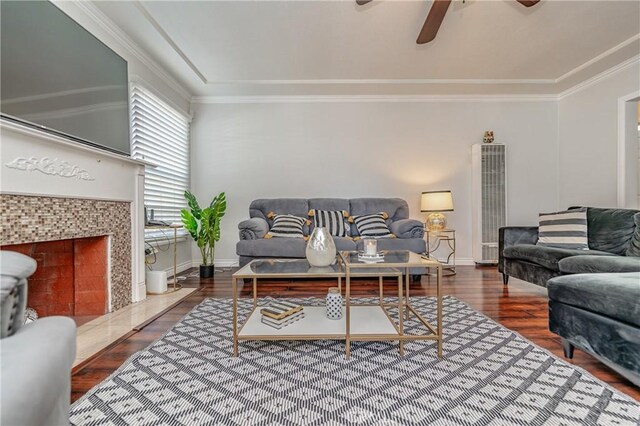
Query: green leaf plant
[[204, 224]]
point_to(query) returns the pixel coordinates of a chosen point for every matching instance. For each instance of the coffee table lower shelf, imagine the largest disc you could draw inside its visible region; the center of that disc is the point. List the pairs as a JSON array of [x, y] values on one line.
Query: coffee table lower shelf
[[368, 322]]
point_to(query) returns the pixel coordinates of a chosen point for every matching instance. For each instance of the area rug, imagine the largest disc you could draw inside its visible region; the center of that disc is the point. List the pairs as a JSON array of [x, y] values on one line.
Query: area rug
[[489, 376]]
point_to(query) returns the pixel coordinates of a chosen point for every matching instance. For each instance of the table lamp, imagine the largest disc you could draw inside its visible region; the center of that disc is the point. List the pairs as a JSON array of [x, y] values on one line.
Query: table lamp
[[435, 202]]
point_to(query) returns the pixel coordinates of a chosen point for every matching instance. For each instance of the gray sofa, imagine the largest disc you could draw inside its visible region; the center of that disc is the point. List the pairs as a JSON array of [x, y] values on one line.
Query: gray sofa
[[253, 245], [609, 233], [36, 358], [600, 314]]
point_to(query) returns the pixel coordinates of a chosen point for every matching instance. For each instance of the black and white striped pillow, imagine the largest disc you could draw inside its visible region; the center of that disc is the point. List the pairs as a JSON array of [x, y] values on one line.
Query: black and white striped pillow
[[372, 225], [567, 229], [286, 226], [334, 221]]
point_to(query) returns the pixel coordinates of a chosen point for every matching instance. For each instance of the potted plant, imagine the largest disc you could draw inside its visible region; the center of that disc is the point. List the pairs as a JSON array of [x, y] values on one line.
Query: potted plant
[[204, 227]]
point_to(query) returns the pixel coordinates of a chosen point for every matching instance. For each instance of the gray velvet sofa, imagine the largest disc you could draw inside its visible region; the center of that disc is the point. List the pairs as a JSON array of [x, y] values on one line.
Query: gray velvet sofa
[[609, 233], [253, 245], [600, 314], [35, 359]]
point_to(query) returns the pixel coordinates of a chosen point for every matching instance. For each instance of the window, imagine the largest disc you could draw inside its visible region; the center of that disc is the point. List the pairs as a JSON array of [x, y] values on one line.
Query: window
[[160, 135]]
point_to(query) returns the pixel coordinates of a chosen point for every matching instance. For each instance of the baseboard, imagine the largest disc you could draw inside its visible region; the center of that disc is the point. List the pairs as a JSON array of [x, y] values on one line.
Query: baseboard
[[181, 267], [462, 262], [219, 263]]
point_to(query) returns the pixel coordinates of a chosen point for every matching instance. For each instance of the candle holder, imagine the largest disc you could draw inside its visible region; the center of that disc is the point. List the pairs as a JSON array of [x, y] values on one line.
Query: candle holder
[[370, 247]]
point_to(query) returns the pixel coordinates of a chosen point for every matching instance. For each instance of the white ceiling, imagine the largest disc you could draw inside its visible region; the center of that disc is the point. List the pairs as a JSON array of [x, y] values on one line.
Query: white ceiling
[[336, 47]]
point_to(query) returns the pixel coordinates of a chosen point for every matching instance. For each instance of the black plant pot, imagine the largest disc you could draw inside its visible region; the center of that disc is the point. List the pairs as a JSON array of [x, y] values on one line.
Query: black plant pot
[[206, 271]]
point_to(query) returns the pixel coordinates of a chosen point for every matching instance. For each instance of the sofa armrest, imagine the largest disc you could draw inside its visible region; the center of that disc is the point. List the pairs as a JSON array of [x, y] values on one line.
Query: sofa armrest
[[407, 228], [513, 235], [253, 229]]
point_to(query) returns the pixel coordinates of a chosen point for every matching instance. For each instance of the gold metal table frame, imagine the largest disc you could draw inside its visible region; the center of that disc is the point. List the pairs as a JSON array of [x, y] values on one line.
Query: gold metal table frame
[[346, 269]]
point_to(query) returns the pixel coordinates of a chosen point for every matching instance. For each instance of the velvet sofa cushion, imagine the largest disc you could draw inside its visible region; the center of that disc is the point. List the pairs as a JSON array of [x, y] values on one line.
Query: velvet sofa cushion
[[610, 230], [284, 247], [634, 245], [545, 256], [612, 295], [416, 245], [272, 247], [599, 264]]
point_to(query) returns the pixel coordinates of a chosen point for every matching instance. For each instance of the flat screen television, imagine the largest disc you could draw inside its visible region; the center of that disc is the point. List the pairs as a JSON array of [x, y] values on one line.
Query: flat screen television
[[59, 78]]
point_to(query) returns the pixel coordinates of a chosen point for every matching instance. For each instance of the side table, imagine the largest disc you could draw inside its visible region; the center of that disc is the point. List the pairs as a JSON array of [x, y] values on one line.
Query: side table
[[447, 236]]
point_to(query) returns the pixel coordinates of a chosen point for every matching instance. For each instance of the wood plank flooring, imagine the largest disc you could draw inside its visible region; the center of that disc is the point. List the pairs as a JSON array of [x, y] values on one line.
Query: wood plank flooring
[[521, 307]]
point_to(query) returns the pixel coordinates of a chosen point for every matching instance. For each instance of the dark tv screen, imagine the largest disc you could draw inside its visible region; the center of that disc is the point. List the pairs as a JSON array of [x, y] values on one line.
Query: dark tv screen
[[57, 77]]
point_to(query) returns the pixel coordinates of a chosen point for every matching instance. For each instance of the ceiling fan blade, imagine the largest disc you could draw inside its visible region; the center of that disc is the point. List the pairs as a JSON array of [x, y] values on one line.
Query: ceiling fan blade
[[361, 2], [528, 3], [433, 21]]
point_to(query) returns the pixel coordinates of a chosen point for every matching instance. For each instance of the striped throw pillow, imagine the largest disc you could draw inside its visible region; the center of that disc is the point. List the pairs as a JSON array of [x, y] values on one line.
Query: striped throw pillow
[[334, 221], [286, 226], [372, 225], [567, 229]]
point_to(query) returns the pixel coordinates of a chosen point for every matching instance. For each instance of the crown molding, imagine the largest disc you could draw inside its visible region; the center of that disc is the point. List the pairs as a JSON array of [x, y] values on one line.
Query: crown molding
[[120, 36], [598, 58], [417, 98], [368, 98], [596, 78]]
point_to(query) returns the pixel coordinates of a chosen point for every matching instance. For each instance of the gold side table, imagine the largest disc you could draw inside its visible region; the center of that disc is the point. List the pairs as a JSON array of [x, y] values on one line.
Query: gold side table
[[448, 237]]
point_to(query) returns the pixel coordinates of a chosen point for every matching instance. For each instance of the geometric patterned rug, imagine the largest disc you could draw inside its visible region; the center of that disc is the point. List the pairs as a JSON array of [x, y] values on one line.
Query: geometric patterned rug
[[489, 375]]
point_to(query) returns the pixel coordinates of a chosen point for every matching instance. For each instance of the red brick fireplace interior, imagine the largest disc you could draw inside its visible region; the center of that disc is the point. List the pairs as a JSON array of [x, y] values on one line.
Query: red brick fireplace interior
[[71, 278]]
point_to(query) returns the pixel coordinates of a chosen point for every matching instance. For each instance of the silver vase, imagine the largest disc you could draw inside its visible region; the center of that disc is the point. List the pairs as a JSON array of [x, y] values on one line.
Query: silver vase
[[321, 250]]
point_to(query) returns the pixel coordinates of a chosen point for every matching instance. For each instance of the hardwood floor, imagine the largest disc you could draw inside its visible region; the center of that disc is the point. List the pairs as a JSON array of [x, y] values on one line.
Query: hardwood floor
[[521, 307]]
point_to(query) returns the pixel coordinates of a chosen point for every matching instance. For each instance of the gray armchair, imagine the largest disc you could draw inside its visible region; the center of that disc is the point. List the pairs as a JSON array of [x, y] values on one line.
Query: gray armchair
[[35, 359]]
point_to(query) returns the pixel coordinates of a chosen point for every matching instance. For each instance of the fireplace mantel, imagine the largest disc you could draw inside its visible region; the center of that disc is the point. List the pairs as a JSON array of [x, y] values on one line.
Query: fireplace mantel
[[42, 169]]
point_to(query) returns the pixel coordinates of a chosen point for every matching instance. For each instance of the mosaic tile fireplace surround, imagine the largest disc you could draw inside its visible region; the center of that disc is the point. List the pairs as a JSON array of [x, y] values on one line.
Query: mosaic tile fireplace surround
[[88, 244]]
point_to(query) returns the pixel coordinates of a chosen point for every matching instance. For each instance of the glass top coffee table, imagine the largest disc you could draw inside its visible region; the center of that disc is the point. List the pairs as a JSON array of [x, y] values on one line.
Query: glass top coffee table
[[403, 261], [360, 322]]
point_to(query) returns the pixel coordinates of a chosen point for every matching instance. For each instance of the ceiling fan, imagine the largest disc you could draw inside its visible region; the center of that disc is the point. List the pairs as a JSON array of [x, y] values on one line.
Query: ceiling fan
[[436, 15]]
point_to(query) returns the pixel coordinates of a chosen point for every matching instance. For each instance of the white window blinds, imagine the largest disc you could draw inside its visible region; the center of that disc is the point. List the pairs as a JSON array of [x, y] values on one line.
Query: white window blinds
[[160, 135]]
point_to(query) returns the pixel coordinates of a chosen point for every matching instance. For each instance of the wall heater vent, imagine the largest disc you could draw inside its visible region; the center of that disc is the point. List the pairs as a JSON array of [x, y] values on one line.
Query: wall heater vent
[[489, 200]]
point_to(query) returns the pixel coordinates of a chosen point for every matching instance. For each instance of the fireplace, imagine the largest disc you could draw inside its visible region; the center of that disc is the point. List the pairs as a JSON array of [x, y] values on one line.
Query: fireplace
[[72, 277]]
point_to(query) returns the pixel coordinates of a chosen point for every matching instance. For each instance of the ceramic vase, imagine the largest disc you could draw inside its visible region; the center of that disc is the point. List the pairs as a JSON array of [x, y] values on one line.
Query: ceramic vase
[[321, 250], [334, 304]]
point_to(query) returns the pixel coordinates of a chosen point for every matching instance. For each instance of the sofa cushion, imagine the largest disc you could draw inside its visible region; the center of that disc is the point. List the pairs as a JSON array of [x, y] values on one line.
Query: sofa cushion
[[596, 264], [396, 208], [372, 225], [416, 245], [612, 295], [272, 247], [567, 229], [293, 206], [344, 244], [334, 220], [610, 229], [545, 256], [634, 244], [285, 247], [287, 226]]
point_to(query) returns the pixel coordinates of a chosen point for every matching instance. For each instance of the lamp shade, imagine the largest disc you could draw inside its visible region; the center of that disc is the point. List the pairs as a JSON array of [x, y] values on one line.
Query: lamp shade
[[436, 201]]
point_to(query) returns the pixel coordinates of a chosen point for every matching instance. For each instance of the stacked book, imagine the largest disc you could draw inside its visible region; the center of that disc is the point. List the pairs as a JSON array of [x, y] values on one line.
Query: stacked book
[[281, 313]]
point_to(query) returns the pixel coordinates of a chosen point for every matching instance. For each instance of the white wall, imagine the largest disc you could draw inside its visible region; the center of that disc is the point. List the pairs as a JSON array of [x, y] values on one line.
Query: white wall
[[588, 138], [370, 149]]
